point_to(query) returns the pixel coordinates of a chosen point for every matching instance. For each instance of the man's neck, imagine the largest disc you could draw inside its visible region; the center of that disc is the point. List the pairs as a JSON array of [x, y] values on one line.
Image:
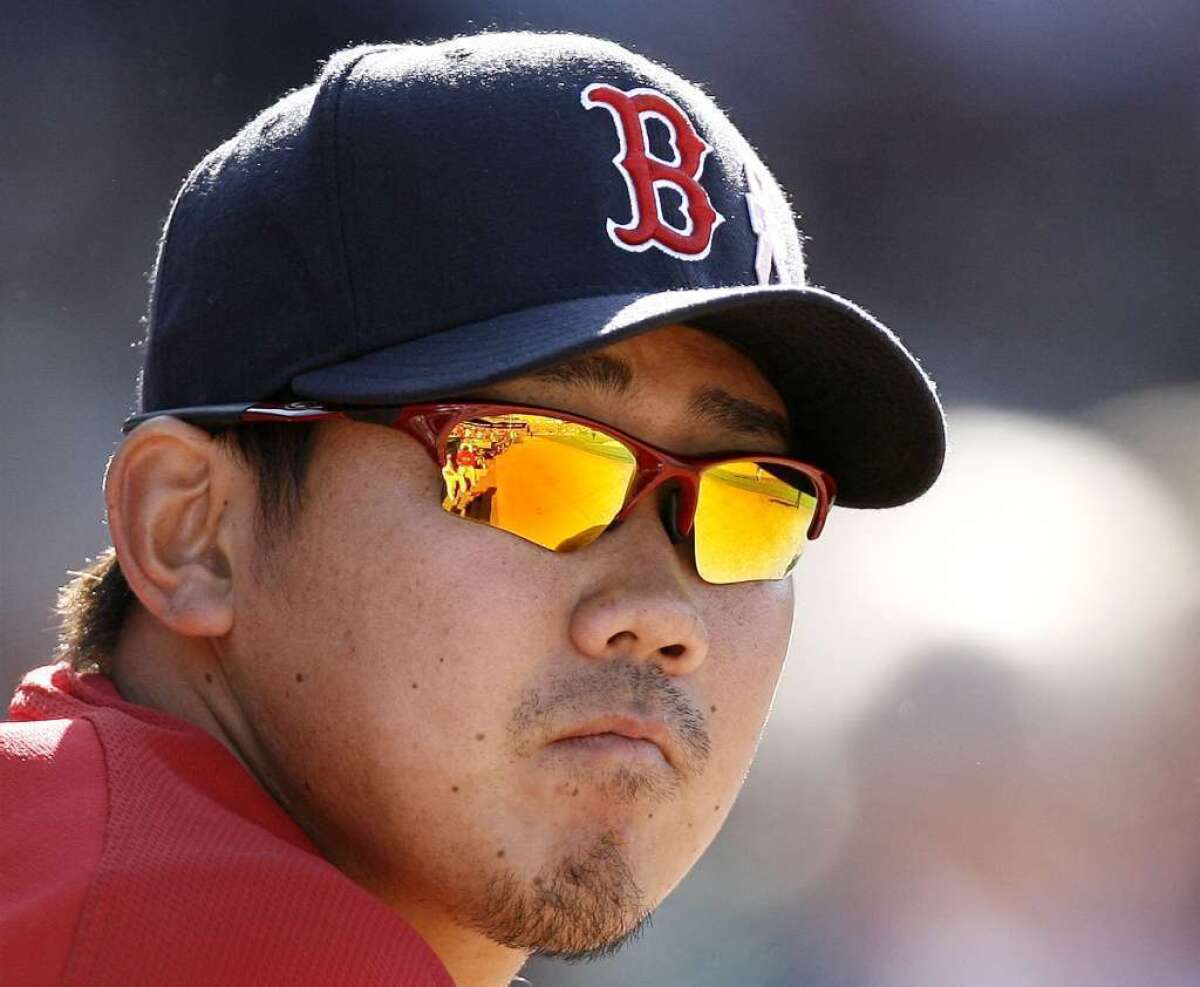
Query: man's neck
[[183, 677], [471, 959], [180, 676]]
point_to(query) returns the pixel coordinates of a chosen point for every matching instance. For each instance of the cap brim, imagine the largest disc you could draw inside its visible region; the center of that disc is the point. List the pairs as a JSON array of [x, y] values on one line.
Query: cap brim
[[860, 405]]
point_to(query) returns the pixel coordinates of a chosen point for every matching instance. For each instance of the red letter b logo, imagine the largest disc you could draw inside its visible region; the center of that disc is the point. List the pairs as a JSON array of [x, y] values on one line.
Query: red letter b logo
[[645, 174]]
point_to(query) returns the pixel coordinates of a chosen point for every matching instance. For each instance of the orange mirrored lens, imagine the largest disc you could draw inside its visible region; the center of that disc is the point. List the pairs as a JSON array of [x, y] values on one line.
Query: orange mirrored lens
[[752, 521], [558, 484]]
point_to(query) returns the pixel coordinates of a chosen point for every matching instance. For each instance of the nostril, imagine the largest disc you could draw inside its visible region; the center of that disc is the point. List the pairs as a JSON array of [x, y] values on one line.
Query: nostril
[[672, 650], [622, 637]]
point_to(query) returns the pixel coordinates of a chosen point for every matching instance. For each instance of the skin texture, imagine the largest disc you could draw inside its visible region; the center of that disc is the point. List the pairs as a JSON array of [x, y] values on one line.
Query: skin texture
[[394, 675]]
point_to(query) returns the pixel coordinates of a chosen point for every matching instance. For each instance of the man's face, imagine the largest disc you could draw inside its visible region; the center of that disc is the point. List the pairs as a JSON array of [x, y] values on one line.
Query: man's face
[[409, 673]]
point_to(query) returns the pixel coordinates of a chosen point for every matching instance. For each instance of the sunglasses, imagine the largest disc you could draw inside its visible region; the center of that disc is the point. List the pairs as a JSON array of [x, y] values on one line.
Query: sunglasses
[[560, 481]]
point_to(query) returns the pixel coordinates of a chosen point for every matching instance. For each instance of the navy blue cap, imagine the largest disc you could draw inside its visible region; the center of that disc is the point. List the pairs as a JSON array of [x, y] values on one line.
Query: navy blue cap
[[426, 219]]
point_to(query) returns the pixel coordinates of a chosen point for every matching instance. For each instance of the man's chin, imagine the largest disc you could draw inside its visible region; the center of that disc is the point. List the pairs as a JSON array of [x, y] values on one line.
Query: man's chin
[[601, 950], [582, 907]]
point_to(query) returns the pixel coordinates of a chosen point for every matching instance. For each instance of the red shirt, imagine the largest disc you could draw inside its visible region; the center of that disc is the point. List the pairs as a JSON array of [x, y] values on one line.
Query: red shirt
[[136, 849]]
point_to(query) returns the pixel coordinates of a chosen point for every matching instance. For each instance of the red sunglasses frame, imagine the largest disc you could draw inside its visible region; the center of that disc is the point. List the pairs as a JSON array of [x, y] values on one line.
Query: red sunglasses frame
[[430, 424]]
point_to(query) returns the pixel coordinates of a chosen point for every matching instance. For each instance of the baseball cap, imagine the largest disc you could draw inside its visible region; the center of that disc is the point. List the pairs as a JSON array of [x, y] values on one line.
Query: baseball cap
[[425, 219]]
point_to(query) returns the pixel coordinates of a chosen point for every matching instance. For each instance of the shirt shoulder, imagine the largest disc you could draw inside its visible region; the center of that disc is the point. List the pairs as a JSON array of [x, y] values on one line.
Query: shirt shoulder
[[53, 811], [136, 848]]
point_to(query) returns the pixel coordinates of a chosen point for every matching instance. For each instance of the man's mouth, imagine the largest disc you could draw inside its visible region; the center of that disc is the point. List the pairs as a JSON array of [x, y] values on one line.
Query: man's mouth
[[620, 736]]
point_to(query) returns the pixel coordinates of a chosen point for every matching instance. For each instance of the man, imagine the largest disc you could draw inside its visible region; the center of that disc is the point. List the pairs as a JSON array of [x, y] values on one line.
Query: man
[[328, 716]]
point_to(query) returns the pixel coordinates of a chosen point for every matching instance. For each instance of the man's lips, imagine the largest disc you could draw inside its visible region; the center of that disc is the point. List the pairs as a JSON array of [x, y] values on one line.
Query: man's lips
[[633, 728]]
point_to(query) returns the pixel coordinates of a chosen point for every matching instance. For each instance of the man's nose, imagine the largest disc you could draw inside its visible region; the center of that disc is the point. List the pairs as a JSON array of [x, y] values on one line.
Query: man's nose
[[644, 610]]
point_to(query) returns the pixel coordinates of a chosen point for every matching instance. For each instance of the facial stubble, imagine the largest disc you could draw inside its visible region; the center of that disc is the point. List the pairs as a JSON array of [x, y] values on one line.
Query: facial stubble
[[585, 906], [588, 904]]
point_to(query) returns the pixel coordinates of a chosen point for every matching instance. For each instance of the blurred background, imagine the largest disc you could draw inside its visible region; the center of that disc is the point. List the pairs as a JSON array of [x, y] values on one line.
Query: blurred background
[[983, 767]]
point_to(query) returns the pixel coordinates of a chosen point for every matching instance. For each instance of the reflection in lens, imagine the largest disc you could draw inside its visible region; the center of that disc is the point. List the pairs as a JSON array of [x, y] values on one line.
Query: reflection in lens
[[558, 484], [752, 521]]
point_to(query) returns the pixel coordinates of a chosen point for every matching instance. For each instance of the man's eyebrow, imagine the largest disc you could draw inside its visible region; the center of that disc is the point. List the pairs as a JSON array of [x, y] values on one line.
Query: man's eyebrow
[[714, 405], [737, 414], [598, 370]]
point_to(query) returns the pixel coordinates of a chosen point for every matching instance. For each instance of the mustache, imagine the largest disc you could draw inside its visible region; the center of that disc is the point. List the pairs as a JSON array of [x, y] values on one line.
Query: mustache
[[612, 687]]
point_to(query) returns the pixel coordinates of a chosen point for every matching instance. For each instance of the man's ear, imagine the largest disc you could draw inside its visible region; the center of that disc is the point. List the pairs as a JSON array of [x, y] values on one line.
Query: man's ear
[[166, 492]]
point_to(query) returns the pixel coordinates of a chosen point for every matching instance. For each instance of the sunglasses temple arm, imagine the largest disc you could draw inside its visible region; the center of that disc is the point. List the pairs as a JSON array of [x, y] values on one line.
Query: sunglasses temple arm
[[211, 416], [829, 488]]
